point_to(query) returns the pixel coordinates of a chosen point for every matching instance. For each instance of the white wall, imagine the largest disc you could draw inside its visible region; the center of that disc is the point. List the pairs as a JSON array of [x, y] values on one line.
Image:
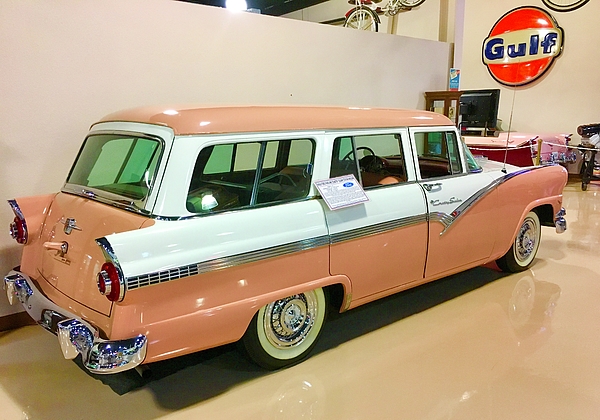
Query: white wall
[[65, 64], [422, 22], [563, 99]]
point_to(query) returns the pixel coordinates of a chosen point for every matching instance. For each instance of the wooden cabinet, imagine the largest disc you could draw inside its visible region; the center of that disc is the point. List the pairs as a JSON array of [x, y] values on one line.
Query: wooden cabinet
[[445, 102]]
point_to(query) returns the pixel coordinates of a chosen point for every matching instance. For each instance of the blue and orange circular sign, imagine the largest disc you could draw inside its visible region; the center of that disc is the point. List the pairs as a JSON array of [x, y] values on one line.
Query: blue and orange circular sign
[[522, 46]]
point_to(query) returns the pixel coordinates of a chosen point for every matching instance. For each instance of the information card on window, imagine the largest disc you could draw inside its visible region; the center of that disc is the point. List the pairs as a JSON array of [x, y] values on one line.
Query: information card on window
[[344, 191]]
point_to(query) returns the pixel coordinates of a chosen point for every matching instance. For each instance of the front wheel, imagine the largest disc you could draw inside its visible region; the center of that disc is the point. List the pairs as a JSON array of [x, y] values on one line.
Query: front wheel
[[521, 254], [284, 332], [362, 18]]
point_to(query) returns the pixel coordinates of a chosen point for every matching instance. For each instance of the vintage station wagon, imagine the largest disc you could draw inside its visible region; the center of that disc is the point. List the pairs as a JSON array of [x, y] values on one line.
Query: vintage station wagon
[[182, 229]]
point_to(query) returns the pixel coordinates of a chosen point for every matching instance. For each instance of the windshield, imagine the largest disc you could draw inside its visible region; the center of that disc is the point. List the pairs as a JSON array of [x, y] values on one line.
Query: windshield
[[118, 164], [472, 165]]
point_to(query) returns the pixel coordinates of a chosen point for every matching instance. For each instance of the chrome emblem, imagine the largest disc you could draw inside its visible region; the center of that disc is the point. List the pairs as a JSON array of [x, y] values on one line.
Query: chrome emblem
[[70, 224]]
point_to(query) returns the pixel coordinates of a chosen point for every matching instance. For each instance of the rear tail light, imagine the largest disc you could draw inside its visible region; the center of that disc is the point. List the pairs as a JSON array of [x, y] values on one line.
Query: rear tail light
[[110, 279], [18, 228], [108, 282]]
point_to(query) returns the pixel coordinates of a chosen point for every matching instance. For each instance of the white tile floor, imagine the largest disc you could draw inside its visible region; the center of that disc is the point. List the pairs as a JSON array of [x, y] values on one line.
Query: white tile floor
[[479, 345]]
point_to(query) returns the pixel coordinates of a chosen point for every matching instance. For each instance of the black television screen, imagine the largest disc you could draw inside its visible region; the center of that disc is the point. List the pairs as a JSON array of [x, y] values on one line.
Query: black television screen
[[479, 110]]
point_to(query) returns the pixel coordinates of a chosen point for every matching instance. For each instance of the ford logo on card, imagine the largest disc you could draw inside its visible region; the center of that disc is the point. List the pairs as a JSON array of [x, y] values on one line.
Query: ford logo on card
[[348, 184], [522, 46]]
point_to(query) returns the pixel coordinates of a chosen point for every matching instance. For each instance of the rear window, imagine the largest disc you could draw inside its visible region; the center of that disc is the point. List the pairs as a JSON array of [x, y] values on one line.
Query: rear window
[[123, 165]]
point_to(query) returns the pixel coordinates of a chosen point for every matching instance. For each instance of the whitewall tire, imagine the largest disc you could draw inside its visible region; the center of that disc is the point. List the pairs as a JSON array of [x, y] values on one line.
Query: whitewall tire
[[284, 332], [521, 254]]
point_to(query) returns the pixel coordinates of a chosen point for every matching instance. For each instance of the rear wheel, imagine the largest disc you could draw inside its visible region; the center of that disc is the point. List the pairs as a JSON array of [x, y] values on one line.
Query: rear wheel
[[521, 254], [284, 332], [362, 18]]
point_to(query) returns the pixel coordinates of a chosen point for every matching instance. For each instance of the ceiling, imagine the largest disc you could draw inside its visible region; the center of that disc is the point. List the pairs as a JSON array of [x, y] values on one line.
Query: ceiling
[[266, 7]]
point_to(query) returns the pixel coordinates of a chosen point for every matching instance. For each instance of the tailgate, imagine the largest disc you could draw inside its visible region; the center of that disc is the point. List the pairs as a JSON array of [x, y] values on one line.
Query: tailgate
[[77, 222]]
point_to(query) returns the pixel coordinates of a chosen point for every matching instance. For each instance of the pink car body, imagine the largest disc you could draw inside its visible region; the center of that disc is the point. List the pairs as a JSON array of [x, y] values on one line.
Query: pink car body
[[182, 229]]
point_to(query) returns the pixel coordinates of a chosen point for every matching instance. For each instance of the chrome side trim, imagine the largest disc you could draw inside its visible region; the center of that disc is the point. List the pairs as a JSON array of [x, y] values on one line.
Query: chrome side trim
[[448, 219], [224, 262], [377, 228], [176, 273], [444, 218]]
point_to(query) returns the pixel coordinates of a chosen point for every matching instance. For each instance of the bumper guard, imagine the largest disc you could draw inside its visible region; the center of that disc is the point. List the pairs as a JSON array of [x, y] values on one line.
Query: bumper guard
[[75, 335], [560, 222]]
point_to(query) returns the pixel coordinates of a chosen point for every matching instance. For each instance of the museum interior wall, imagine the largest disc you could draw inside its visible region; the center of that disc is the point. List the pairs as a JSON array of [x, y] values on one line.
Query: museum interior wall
[[563, 99], [66, 64]]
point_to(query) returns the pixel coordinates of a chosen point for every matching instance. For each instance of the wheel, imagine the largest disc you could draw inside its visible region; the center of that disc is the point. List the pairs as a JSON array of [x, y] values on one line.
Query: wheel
[[564, 5], [523, 250], [362, 18], [284, 332], [411, 3]]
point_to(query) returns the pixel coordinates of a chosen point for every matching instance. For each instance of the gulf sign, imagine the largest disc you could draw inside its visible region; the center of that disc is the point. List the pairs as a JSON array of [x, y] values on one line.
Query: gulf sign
[[522, 46]]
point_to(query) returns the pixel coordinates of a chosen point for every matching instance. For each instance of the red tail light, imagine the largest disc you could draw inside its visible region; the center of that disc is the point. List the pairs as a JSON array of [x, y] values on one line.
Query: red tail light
[[18, 228], [110, 280], [109, 283]]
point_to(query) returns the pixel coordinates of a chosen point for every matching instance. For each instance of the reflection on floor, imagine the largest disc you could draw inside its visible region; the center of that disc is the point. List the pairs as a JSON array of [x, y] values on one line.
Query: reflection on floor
[[479, 345]]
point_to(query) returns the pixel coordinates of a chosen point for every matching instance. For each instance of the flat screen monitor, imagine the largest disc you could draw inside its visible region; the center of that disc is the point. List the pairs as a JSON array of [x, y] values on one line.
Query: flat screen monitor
[[479, 111]]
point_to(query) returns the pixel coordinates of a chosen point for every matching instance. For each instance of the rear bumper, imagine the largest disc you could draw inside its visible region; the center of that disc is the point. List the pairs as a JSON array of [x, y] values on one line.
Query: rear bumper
[[75, 335]]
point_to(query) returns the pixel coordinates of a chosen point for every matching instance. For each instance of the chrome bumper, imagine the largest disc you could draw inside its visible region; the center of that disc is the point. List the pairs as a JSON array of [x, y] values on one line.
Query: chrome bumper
[[559, 221], [75, 335]]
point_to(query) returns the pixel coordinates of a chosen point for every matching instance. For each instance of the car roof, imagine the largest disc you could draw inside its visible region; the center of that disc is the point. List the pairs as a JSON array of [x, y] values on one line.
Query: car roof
[[186, 120]]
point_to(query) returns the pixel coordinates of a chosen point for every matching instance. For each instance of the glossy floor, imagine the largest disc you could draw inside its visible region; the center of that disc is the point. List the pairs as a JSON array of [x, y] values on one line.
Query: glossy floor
[[479, 345]]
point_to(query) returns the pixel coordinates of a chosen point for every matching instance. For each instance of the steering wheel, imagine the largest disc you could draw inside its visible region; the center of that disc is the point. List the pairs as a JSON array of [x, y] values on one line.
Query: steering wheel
[[372, 163], [357, 149], [280, 175]]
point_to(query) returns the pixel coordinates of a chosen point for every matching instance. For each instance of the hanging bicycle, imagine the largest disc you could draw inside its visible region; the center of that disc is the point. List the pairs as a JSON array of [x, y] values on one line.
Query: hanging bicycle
[[364, 17], [564, 5]]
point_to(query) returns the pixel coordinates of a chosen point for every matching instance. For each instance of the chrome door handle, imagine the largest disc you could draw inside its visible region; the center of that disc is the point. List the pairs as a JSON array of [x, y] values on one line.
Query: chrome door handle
[[430, 187]]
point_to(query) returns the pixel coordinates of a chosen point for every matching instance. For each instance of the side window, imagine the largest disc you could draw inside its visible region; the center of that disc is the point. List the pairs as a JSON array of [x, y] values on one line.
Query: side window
[[229, 176], [438, 154], [374, 159]]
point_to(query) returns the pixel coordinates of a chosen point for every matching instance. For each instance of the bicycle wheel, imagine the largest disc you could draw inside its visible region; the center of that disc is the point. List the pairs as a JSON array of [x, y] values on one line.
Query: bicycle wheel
[[564, 5], [362, 18], [411, 3]]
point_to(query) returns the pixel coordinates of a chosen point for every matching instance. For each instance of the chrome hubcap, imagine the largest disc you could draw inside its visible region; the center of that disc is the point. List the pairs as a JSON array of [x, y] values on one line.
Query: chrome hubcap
[[288, 321], [526, 240]]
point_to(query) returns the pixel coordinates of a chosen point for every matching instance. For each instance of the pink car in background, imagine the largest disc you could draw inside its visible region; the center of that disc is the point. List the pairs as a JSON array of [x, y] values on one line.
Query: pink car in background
[[521, 149]]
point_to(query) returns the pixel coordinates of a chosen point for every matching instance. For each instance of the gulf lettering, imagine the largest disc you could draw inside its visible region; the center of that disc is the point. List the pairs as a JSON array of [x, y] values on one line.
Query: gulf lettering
[[511, 46]]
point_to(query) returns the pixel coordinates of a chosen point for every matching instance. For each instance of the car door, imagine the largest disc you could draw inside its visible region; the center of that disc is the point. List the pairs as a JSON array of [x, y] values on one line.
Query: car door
[[382, 243], [462, 212]]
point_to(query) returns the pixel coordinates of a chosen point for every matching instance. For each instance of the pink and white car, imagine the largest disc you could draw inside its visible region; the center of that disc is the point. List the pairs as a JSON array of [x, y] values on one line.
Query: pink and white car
[[182, 229]]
